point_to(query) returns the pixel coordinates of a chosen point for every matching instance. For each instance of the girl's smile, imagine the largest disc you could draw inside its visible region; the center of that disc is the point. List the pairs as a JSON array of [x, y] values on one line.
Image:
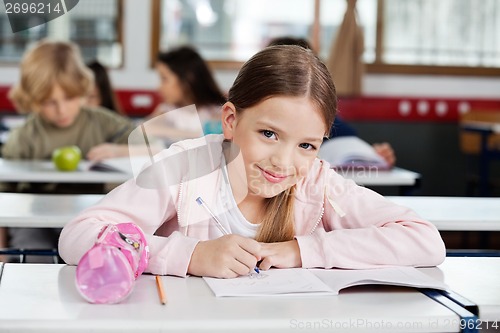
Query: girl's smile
[[272, 177]]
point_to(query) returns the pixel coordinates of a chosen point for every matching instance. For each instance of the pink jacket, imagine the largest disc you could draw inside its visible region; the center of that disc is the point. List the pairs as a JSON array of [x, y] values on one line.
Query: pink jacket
[[337, 223]]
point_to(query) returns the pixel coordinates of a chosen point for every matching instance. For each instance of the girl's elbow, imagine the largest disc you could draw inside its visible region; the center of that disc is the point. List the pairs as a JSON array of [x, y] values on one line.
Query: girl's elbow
[[440, 253], [434, 251]]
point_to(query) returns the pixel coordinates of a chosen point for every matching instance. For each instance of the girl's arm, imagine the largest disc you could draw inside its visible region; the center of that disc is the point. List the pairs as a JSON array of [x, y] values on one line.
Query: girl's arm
[[150, 209], [365, 230]]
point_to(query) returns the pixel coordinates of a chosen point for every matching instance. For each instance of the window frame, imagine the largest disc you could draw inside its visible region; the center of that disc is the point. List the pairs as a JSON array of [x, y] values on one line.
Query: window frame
[[119, 38], [377, 67]]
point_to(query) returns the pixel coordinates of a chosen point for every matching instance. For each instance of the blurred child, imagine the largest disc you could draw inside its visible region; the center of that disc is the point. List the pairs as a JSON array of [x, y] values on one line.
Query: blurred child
[[186, 80], [102, 93], [53, 85]]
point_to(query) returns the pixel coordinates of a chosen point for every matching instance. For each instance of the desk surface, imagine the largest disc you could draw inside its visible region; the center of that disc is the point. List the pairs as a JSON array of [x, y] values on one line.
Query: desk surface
[[447, 213], [42, 210], [456, 213], [482, 125], [43, 298], [374, 177], [476, 279], [45, 172]]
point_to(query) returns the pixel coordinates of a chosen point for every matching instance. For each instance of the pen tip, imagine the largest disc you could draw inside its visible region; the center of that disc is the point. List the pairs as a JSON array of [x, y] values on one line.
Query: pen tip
[[199, 201]]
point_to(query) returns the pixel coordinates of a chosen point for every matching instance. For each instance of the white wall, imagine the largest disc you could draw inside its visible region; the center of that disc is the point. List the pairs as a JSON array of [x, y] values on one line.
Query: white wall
[[137, 74], [432, 86]]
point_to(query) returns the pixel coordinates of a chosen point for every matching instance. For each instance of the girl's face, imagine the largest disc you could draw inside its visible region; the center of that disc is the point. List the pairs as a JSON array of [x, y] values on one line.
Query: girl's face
[[278, 139], [170, 86], [59, 109]]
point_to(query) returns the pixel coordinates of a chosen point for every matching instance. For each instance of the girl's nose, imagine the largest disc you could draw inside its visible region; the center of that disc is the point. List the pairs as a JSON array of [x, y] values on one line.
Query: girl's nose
[[282, 157]]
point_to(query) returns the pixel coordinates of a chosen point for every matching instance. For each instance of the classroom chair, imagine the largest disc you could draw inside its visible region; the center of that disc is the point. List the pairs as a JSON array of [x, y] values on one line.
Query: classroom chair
[[23, 253], [480, 143]]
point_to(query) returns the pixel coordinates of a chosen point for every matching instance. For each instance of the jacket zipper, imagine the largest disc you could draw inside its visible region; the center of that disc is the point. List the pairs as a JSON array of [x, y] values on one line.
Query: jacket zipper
[[318, 221], [179, 206]]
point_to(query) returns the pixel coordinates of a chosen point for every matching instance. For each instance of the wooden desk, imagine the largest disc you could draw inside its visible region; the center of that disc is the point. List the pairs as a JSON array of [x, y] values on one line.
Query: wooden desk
[[45, 172], [43, 298], [476, 279], [456, 213], [42, 210], [486, 153]]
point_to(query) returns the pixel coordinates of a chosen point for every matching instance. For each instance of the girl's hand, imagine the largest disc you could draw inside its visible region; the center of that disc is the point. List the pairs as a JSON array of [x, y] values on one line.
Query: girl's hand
[[107, 150], [225, 257], [280, 255]]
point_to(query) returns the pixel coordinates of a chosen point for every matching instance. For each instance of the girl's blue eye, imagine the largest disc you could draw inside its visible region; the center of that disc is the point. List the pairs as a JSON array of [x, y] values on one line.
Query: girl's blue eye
[[268, 134], [307, 146]]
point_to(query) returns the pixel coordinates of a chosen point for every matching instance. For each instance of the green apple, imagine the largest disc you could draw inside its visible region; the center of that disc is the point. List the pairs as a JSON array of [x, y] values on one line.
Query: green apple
[[67, 158]]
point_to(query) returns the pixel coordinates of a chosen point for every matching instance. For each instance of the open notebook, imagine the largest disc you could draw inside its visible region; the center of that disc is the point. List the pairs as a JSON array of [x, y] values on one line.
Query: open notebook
[[119, 164], [350, 152], [298, 281]]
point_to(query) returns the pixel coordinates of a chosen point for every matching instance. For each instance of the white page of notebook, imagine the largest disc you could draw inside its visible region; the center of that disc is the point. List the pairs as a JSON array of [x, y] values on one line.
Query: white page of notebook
[[272, 282], [298, 281]]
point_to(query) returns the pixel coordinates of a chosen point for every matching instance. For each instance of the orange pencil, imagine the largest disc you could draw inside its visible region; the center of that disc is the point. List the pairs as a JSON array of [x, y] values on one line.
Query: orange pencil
[[161, 292]]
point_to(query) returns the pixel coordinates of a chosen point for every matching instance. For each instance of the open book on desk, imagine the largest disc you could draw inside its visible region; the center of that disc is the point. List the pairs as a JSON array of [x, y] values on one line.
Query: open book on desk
[[350, 152], [403, 276], [119, 164], [298, 281]]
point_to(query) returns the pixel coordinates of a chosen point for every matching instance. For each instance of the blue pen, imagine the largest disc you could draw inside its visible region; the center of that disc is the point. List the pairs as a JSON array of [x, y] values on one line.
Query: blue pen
[[200, 202]]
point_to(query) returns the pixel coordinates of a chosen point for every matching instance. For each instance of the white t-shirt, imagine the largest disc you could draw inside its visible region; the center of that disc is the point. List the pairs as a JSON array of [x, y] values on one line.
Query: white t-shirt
[[228, 212]]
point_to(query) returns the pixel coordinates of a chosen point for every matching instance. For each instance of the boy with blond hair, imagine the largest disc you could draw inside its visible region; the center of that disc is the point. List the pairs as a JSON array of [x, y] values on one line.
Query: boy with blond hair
[[54, 83]]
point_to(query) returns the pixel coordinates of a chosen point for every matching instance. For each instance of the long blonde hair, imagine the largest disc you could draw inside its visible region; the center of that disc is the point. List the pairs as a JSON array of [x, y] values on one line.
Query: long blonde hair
[[284, 70], [48, 63]]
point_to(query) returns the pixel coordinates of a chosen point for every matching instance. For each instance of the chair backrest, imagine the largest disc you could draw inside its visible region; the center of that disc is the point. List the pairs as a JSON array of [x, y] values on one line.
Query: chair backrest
[[470, 143]]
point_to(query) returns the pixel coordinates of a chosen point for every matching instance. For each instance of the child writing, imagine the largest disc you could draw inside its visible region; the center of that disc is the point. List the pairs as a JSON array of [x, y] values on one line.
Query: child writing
[[52, 89], [53, 85], [281, 205]]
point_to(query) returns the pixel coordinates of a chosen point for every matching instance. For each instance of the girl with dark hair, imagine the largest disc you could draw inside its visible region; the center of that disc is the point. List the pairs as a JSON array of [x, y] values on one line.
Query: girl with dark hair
[[277, 203], [102, 93], [187, 80]]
